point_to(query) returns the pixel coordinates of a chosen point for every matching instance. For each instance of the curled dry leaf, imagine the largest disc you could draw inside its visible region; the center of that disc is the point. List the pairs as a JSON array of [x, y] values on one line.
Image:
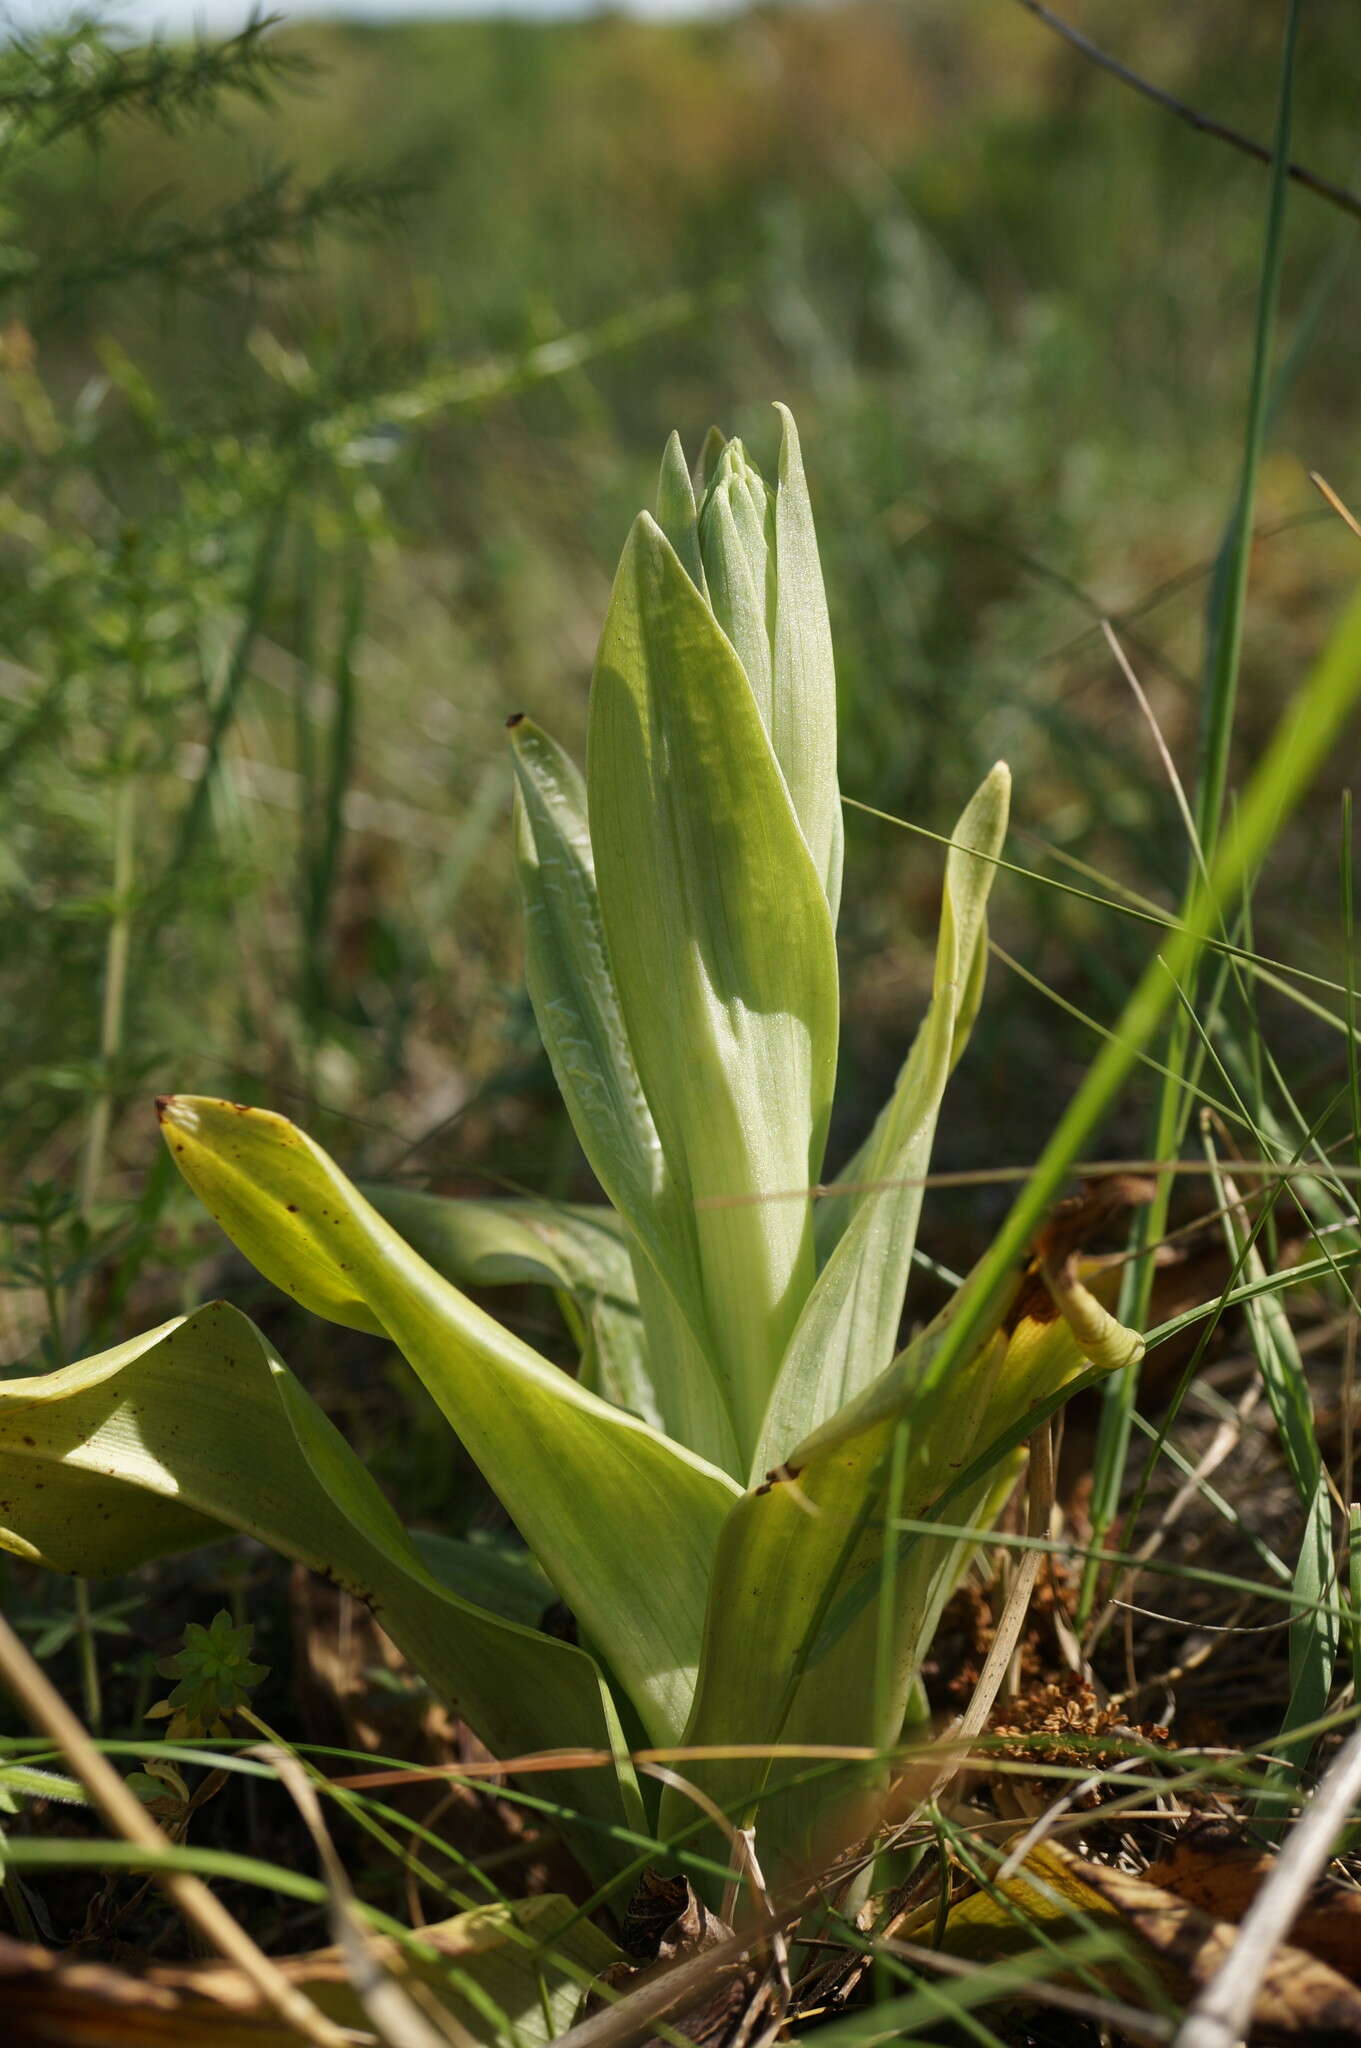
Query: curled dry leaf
[[665, 1920], [667, 1924], [1165, 1941], [1215, 1867]]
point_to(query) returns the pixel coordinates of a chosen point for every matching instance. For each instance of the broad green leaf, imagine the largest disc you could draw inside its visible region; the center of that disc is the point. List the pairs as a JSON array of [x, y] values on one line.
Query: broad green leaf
[[198, 1427], [816, 1531], [572, 987], [841, 1685], [848, 1331], [490, 1574], [691, 1400], [834, 1211], [511, 1975], [501, 1241], [579, 1478], [722, 950], [676, 512], [803, 717], [574, 1248]]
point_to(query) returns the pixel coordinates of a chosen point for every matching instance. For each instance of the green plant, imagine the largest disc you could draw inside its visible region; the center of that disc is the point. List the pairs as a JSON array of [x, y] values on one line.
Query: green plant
[[744, 1429]]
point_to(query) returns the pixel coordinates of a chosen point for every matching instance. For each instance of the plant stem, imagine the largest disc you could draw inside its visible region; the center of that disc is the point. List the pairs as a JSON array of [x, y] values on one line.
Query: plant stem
[[51, 1293], [114, 1008], [91, 1690]]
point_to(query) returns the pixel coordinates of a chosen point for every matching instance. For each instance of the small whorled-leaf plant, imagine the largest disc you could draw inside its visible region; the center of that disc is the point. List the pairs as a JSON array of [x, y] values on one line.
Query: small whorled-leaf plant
[[715, 1484]]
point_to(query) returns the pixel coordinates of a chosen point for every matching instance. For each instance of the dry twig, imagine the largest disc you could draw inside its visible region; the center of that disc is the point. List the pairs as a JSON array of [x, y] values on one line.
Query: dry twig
[[1222, 2014], [1204, 124]]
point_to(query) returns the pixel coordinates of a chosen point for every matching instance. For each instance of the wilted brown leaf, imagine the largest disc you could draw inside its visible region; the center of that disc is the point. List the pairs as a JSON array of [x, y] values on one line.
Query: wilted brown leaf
[[1213, 1866], [1058, 1895], [668, 1924]]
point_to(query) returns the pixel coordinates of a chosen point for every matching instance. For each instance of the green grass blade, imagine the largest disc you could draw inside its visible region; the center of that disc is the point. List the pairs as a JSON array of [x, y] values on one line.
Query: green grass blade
[[1315, 1630], [1219, 698]]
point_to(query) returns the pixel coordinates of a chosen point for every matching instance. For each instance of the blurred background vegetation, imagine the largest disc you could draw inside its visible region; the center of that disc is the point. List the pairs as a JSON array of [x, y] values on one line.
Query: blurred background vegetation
[[333, 366]]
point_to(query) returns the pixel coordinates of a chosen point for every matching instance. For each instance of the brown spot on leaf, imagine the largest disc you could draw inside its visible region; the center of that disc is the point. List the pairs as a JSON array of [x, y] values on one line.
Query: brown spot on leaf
[[1033, 1304], [1069, 1228]]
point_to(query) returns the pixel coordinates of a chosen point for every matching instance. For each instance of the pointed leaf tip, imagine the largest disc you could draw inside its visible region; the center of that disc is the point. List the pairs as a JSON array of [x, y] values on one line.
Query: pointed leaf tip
[[677, 514]]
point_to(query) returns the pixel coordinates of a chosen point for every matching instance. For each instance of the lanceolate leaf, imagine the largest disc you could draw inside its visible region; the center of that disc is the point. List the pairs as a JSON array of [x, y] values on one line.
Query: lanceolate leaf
[[576, 1002], [848, 1331], [572, 987], [504, 1240], [765, 585], [816, 1532], [578, 1250], [623, 1521], [676, 512], [198, 1427], [803, 715], [722, 950]]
